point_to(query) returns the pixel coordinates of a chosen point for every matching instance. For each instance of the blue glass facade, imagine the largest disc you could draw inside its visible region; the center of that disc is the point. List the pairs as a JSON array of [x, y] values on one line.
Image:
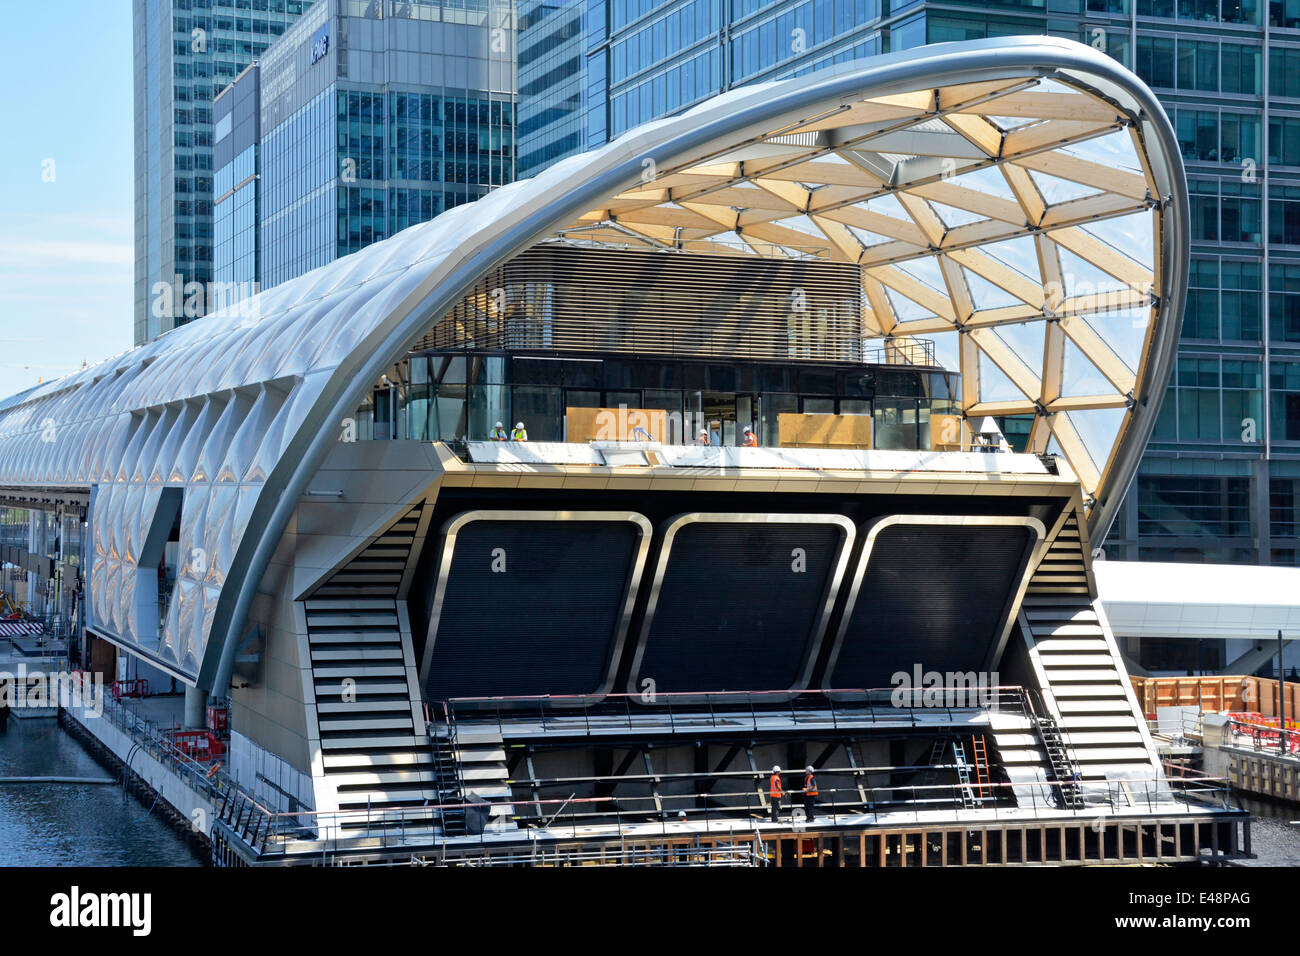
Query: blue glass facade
[[371, 125], [299, 182], [185, 52], [1221, 479], [237, 188], [552, 57], [235, 226]]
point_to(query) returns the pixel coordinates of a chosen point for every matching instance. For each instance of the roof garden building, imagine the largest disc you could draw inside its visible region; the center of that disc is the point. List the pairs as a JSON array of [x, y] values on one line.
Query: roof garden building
[[466, 643]]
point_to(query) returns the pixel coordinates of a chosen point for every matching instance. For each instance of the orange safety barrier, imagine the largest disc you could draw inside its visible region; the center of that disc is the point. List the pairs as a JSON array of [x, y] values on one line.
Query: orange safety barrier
[[1267, 730], [191, 743], [130, 688]]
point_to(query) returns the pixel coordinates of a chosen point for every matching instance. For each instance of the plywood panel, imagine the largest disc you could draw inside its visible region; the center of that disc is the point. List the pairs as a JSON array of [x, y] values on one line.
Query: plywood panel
[[823, 431], [615, 424], [948, 433]]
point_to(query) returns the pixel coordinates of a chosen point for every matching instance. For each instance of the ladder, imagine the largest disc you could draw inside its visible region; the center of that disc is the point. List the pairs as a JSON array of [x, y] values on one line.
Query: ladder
[[982, 778], [1063, 768], [931, 774], [968, 797], [446, 772]]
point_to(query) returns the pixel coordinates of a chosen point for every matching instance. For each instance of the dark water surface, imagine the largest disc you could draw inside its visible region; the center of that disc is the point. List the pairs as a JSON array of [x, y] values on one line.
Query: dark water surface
[[78, 824], [1272, 840]]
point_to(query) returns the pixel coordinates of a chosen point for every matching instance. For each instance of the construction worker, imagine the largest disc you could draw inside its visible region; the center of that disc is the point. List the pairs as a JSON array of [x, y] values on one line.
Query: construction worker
[[498, 433], [520, 433], [703, 439], [809, 794], [775, 791], [749, 440]]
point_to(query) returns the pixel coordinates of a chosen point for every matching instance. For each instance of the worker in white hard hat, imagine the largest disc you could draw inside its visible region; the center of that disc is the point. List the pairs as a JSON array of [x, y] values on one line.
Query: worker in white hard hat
[[809, 794], [520, 433], [749, 439], [775, 791], [703, 438], [498, 432]]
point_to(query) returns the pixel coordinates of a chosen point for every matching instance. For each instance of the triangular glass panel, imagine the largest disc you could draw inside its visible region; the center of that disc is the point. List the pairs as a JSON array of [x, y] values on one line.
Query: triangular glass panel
[[1098, 428], [1026, 340], [986, 294], [952, 217], [1083, 278], [1057, 190], [1124, 331], [868, 239], [1079, 376], [995, 386], [1019, 254], [986, 180], [926, 271], [904, 308], [1131, 235], [1007, 123], [946, 349], [887, 205], [1114, 151]]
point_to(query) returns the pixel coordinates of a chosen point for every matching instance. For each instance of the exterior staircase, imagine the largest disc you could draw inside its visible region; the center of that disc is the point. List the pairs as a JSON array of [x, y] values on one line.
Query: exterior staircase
[[376, 755], [1096, 725], [482, 775]]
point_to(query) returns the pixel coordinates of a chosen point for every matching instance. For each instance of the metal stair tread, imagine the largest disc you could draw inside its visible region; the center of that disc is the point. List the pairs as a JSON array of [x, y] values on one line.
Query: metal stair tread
[[345, 707], [376, 722], [330, 605], [1089, 690], [363, 743], [356, 654], [1059, 675], [363, 670]]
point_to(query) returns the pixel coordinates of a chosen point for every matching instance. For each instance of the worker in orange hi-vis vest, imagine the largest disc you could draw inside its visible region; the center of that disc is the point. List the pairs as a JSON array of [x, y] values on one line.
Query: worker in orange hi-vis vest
[[749, 439], [809, 794], [775, 791]]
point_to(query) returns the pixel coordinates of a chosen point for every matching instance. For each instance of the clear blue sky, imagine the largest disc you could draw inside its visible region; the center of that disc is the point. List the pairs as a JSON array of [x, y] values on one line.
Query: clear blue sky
[[66, 245]]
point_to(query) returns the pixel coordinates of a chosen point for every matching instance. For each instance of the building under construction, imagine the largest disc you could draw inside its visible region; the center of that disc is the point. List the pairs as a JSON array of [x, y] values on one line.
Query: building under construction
[[831, 387]]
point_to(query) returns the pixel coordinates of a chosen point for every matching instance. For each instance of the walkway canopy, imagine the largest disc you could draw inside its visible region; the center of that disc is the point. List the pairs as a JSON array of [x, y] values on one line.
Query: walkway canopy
[[1020, 201]]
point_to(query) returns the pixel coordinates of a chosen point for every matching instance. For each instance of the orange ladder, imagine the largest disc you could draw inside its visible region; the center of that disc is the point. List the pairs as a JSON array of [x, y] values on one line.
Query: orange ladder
[[981, 754]]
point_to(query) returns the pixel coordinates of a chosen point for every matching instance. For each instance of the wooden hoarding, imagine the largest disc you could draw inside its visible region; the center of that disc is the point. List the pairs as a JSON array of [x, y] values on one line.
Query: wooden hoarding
[[823, 431]]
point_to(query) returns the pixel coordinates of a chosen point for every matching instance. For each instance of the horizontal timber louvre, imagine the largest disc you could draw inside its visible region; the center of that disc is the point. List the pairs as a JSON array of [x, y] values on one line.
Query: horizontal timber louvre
[[568, 298]]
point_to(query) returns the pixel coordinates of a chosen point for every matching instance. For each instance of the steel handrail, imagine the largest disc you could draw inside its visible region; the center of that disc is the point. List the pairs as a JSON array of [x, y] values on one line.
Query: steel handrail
[[333, 821]]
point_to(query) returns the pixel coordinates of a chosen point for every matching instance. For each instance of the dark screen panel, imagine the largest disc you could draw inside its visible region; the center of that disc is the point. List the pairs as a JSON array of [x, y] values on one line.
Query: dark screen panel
[[544, 625], [732, 614], [934, 595]]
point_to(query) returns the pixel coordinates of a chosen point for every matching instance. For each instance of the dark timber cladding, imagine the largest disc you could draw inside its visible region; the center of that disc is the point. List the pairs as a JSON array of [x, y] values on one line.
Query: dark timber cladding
[[563, 297]]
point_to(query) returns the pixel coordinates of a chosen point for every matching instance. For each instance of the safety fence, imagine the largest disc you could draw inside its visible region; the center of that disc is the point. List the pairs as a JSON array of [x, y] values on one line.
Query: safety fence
[[665, 816], [207, 779], [1265, 734]]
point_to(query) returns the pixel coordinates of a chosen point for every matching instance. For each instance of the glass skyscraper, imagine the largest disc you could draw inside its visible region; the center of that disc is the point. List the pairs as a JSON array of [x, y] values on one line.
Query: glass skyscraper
[[236, 206], [373, 117], [1221, 478], [186, 51]]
